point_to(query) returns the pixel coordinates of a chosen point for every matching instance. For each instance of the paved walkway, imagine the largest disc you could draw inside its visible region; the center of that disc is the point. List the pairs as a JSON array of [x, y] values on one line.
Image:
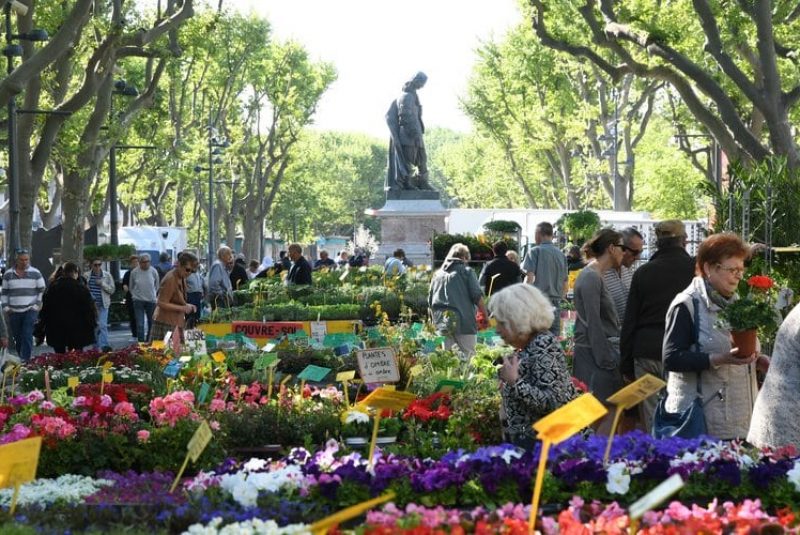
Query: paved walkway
[[119, 336]]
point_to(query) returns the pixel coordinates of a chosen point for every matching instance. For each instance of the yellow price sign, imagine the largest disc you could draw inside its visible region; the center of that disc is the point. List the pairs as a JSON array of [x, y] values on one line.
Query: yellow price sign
[[416, 370], [108, 377], [629, 396], [73, 382], [218, 356], [637, 391], [18, 463], [107, 365], [322, 526], [564, 422], [345, 376], [384, 398], [158, 344], [197, 444], [557, 426]]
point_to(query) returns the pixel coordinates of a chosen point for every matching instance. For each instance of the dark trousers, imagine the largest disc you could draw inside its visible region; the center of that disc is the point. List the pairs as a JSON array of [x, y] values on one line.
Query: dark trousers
[[196, 299], [131, 314]]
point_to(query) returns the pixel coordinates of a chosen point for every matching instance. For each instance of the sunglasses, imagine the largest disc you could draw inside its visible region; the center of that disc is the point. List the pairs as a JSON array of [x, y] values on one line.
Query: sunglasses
[[634, 252]]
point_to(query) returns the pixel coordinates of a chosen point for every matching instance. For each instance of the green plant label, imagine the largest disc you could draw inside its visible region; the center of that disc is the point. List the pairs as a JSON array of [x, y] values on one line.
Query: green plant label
[[301, 341], [205, 388], [265, 361], [314, 373]]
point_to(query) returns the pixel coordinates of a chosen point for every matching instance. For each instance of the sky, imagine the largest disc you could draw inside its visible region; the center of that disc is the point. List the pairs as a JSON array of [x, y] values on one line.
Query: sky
[[377, 45]]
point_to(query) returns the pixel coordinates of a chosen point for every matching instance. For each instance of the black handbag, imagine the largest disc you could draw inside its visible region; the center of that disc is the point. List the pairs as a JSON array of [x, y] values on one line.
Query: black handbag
[[691, 422]]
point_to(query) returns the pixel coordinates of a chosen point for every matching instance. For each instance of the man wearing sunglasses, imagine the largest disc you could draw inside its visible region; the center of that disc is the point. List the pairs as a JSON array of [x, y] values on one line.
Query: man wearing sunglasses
[[23, 287], [618, 282], [101, 286]]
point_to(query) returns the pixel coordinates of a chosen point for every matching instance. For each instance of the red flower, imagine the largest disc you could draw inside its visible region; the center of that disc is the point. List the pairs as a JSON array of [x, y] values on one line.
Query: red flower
[[580, 385], [760, 282], [423, 409]]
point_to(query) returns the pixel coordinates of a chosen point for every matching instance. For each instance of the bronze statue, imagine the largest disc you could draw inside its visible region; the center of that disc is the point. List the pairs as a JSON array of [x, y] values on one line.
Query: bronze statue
[[408, 162]]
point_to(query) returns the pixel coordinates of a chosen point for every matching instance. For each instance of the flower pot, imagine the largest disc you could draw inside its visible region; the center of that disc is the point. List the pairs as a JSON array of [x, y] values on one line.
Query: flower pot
[[357, 442], [745, 341], [384, 441]]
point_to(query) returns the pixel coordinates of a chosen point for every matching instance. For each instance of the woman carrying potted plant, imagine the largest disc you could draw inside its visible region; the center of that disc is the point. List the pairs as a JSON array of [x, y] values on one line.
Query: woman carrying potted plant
[[704, 369]]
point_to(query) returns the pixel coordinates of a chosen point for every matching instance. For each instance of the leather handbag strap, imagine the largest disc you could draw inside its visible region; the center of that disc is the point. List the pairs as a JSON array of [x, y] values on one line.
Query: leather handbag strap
[[696, 306]]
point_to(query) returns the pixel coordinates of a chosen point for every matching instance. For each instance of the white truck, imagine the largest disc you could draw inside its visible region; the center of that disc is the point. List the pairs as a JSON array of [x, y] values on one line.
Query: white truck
[[155, 240]]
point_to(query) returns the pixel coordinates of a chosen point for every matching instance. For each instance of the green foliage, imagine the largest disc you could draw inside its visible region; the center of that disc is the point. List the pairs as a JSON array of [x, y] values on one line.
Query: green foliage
[[502, 226], [578, 226], [108, 251], [478, 249]]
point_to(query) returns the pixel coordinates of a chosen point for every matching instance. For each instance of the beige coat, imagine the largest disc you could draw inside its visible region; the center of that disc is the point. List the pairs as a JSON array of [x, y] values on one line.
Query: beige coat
[[729, 391], [775, 422]]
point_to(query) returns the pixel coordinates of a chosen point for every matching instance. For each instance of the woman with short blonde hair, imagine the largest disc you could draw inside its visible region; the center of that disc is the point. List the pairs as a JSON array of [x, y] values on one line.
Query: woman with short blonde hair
[[535, 377]]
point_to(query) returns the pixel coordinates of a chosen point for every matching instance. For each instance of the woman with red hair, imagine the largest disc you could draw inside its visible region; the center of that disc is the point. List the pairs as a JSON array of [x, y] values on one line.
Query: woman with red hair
[[698, 355]]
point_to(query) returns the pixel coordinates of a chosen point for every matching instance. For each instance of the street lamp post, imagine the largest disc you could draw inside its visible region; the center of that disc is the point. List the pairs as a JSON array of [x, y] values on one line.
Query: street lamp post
[[10, 51], [215, 144], [121, 87]]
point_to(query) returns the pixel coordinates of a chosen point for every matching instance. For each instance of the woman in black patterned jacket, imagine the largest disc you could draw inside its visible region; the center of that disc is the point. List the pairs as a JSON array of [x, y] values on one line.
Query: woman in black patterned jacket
[[534, 379]]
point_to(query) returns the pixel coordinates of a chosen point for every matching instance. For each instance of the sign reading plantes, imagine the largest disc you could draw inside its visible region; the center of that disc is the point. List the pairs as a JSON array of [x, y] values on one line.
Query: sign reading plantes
[[194, 449], [557, 426], [629, 396], [378, 365], [266, 329], [313, 373], [18, 462]]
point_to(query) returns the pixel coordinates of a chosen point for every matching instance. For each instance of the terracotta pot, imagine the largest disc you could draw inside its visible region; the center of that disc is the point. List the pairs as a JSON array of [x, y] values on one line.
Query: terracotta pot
[[745, 341]]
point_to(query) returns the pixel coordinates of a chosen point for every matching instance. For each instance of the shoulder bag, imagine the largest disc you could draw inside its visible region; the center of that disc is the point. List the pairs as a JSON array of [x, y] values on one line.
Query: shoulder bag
[[691, 422]]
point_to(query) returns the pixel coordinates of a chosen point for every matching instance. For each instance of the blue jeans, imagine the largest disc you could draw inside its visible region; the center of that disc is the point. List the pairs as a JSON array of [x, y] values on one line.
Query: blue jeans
[[101, 331], [143, 309], [21, 324]]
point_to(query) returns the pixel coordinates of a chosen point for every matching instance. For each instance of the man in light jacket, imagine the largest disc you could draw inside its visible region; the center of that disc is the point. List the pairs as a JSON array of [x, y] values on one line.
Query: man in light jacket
[[102, 287], [144, 287]]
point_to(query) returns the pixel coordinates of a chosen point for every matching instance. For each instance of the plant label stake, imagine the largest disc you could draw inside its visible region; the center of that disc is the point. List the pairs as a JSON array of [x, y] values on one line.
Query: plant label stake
[[47, 392], [73, 382], [557, 426], [321, 527], [652, 499], [628, 397], [345, 378], [383, 398], [14, 378], [413, 372], [194, 449], [491, 285], [18, 462]]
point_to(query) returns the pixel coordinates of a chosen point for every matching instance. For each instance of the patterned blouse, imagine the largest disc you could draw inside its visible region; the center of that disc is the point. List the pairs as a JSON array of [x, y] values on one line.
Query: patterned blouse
[[543, 386]]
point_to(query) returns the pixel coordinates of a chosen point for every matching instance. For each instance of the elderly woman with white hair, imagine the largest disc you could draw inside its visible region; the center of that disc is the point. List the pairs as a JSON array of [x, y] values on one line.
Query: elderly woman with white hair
[[453, 298], [535, 380]]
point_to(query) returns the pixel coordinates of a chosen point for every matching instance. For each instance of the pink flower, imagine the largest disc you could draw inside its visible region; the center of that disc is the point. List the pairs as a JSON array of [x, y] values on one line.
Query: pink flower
[[106, 401], [126, 410], [143, 436], [34, 395], [216, 405], [79, 401], [47, 406]]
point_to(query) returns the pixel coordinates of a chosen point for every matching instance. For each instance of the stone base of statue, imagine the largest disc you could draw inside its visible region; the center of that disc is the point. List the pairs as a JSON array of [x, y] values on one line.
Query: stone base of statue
[[409, 221]]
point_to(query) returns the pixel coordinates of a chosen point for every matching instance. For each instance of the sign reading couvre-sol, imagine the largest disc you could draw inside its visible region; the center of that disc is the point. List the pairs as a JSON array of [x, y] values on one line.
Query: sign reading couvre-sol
[[268, 329], [378, 365]]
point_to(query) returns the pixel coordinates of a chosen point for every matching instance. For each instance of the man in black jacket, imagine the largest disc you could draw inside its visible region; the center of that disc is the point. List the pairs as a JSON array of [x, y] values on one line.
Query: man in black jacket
[[654, 286], [504, 271], [300, 272]]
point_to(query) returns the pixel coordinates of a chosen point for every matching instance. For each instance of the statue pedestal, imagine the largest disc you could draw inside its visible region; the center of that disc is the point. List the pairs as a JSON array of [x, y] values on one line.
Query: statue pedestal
[[409, 220]]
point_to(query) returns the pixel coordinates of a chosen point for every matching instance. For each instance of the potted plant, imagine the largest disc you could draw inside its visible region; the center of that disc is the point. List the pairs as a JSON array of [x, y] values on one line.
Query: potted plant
[[388, 429], [753, 310], [356, 428]]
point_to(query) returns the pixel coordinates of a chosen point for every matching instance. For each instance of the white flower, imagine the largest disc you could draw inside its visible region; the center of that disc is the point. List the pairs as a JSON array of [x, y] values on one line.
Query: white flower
[[511, 453], [255, 526], [245, 494], [254, 465], [619, 480], [65, 489], [793, 475], [355, 416]]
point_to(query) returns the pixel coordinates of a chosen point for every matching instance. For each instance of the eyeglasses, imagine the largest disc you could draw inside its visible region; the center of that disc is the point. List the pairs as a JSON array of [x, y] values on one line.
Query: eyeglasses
[[188, 269], [98, 264], [21, 251], [634, 252], [737, 271]]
